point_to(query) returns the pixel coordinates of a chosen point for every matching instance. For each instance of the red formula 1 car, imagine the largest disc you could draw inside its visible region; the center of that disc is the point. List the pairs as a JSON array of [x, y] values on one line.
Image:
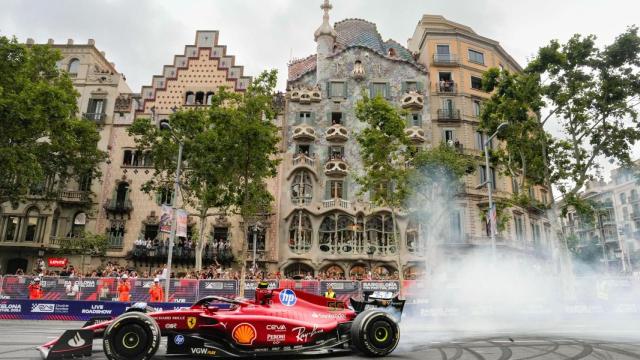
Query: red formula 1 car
[[281, 321]]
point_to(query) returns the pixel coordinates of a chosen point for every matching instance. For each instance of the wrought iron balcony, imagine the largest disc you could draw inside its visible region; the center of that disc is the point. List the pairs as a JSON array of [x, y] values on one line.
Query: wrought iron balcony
[[448, 114], [79, 197], [336, 202], [97, 118], [445, 59], [446, 87], [118, 205]]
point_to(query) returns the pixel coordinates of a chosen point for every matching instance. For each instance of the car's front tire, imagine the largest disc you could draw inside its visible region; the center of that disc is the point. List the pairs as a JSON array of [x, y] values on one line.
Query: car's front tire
[[375, 333], [131, 336]]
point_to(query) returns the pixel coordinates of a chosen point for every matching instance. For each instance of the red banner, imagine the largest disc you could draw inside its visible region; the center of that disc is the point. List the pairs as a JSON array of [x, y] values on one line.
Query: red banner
[[57, 262]]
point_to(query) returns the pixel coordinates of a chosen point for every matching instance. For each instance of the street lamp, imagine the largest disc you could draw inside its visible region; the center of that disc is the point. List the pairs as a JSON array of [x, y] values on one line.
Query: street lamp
[[256, 229], [164, 125], [489, 182]]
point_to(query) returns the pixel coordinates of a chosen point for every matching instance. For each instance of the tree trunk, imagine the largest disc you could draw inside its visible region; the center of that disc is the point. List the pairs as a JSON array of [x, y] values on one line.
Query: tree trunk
[[201, 240]]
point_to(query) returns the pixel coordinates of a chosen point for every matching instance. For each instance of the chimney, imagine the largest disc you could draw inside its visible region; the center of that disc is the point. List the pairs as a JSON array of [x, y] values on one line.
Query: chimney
[[50, 42], [30, 41], [91, 42], [69, 41], [102, 53]]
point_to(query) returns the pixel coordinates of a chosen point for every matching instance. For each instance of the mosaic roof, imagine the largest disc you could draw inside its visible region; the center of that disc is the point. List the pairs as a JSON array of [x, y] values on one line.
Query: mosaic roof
[[355, 33]]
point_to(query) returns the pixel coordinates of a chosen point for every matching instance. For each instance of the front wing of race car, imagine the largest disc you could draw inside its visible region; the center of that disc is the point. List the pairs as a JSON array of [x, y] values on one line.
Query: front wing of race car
[[72, 343]]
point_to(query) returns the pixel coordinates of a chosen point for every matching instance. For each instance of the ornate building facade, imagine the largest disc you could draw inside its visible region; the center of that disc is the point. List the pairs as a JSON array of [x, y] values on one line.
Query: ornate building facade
[[326, 225]]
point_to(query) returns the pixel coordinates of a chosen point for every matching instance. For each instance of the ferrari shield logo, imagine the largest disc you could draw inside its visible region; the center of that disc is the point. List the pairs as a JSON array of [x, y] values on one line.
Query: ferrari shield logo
[[191, 322]]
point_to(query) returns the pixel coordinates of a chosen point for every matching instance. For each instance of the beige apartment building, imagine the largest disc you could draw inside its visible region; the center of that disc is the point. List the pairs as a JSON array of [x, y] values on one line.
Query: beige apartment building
[[456, 57]]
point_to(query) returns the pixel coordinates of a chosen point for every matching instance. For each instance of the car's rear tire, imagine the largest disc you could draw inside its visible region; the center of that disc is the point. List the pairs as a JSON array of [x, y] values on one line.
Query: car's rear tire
[[375, 333], [131, 336]]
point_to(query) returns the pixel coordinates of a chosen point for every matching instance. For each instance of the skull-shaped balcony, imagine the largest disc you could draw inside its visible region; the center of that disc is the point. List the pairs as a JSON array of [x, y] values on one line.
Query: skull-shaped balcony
[[412, 100], [305, 95], [304, 132], [336, 166], [337, 132], [415, 134]]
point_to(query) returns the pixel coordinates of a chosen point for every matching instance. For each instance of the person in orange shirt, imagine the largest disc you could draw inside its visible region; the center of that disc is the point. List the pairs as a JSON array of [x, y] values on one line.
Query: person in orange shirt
[[156, 292], [123, 289], [35, 290]]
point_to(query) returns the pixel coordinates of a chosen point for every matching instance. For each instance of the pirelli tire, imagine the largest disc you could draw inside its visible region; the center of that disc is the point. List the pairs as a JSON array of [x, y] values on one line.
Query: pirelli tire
[[131, 336], [375, 333]]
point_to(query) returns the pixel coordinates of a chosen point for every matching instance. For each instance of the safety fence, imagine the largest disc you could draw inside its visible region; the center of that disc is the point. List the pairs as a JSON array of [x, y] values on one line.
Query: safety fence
[[180, 290]]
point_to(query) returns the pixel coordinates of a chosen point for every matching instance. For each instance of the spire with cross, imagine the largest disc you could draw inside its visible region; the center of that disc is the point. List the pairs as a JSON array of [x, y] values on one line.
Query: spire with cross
[[325, 28]]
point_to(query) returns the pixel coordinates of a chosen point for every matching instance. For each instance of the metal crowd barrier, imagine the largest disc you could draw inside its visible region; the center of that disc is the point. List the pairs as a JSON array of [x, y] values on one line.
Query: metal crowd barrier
[[180, 290]]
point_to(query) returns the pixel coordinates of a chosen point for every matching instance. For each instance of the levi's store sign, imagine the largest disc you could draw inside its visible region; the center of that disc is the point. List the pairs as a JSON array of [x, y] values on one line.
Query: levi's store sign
[[57, 262]]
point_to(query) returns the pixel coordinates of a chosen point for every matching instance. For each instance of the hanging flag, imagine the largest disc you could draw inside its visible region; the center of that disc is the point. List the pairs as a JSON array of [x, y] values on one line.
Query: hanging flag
[[492, 218], [166, 219], [181, 230]]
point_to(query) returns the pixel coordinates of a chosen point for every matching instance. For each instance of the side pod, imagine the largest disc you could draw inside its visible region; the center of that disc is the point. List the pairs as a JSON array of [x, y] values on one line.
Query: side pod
[[72, 344]]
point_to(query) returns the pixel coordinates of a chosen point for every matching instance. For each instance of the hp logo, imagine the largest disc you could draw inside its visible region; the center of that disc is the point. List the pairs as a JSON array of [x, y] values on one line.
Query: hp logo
[[178, 340], [288, 297]]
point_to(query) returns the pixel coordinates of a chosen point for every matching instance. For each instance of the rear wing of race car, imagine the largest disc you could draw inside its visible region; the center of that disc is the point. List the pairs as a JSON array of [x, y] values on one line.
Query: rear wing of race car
[[382, 300], [72, 344]]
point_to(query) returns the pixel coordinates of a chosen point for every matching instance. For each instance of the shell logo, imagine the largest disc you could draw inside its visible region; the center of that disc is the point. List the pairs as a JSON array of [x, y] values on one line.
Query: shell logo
[[244, 334]]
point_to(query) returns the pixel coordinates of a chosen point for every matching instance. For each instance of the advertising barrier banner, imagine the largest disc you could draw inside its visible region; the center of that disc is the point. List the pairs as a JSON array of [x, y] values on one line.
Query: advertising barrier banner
[[225, 288], [380, 285], [344, 289], [183, 290], [250, 287], [309, 286]]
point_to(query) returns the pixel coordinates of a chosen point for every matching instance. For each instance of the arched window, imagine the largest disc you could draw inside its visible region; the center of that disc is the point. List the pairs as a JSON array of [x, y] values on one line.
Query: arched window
[[209, 97], [382, 272], [164, 196], [333, 272], [189, 98], [380, 234], [33, 225], [74, 65], [137, 158], [122, 194], [298, 271], [415, 237], [79, 222], [148, 159], [357, 272], [413, 272], [300, 233], [336, 234], [199, 98], [302, 188]]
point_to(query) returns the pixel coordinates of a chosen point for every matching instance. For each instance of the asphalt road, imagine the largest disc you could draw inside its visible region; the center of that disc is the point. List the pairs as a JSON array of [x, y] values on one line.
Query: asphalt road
[[576, 341]]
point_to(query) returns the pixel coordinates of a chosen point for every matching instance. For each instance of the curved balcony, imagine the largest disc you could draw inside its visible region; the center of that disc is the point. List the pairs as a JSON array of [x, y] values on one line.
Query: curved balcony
[[415, 134], [412, 100], [304, 132], [305, 95], [336, 167], [337, 132]]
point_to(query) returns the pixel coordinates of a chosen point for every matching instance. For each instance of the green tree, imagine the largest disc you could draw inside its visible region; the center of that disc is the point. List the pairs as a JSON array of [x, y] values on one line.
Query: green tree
[[247, 132], [203, 181], [384, 149], [591, 95], [87, 244], [42, 144]]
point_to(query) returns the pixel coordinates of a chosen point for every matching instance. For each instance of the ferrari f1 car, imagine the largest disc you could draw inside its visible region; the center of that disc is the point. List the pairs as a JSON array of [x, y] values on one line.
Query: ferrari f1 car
[[281, 321]]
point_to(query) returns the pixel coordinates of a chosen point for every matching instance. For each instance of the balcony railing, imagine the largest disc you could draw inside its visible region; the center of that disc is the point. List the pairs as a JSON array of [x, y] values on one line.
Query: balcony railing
[[302, 159], [98, 118], [447, 87], [445, 59], [115, 241], [448, 114], [73, 196], [118, 205], [336, 202], [74, 242]]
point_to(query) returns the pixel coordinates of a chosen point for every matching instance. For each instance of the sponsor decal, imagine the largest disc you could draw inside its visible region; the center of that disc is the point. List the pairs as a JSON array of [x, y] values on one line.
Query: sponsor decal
[[97, 310], [171, 326], [278, 328], [57, 262], [303, 335], [42, 308], [213, 286], [244, 334], [335, 305], [275, 338], [202, 351], [178, 340], [224, 325], [76, 341], [10, 308], [191, 322], [288, 297], [337, 316]]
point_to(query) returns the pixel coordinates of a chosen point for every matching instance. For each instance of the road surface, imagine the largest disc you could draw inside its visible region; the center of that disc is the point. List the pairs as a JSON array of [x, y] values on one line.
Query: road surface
[[18, 340]]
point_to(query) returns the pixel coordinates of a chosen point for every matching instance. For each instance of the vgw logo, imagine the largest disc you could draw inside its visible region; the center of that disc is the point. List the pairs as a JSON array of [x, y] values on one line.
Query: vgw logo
[[288, 297]]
